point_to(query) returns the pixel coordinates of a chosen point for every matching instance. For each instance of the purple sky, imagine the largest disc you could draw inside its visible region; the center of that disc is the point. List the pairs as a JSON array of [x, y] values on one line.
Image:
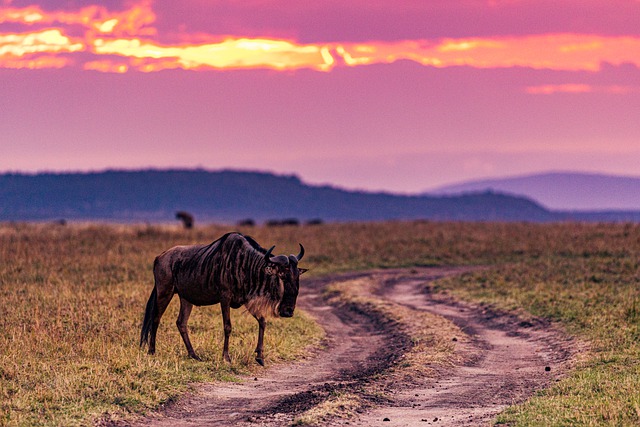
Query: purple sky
[[401, 96]]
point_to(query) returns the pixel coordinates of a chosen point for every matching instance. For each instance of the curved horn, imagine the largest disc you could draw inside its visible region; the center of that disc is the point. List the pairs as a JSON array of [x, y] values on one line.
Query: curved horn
[[301, 254], [267, 256]]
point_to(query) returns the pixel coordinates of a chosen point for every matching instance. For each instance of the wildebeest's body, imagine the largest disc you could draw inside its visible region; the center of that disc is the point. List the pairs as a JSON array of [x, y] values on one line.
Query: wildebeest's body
[[233, 271]]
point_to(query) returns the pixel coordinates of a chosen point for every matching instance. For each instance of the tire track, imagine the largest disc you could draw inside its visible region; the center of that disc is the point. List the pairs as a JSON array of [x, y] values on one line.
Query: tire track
[[505, 361]]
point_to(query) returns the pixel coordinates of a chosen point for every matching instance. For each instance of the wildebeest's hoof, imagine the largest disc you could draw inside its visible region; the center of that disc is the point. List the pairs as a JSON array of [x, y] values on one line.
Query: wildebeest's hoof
[[195, 357], [260, 361]]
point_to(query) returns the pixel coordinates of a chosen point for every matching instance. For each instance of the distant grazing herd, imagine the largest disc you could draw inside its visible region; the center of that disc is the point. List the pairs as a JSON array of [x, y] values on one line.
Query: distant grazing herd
[[188, 221]]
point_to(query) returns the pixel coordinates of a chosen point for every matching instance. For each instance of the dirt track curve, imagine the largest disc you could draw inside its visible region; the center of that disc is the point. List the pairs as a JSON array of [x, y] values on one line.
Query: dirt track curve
[[505, 361]]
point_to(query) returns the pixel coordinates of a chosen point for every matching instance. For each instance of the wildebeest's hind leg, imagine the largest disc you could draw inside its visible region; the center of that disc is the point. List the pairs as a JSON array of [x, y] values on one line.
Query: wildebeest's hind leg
[[261, 325], [163, 299], [226, 321], [183, 318]]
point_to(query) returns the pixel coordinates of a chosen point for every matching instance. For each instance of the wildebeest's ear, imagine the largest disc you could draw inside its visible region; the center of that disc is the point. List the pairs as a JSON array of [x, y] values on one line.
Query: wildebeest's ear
[[303, 270]]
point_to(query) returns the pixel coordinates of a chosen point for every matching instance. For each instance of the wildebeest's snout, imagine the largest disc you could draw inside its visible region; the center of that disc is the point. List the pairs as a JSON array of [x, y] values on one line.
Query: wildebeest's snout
[[286, 311]]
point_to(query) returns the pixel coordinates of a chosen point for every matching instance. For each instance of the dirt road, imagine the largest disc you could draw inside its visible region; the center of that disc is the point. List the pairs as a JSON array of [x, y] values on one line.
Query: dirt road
[[504, 361]]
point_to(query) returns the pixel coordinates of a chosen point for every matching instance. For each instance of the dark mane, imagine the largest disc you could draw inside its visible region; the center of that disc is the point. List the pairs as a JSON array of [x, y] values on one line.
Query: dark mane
[[254, 244], [202, 261], [203, 258]]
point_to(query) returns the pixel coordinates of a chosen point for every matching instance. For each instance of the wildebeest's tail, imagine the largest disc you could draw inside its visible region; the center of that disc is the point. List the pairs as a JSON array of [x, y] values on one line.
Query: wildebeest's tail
[[149, 315]]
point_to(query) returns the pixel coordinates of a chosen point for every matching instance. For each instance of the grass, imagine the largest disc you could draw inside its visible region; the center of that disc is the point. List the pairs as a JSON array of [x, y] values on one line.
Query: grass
[[338, 405], [73, 296], [72, 302]]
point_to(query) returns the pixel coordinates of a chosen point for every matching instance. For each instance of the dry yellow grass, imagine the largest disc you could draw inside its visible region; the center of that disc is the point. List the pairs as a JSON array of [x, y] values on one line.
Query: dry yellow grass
[[73, 299]]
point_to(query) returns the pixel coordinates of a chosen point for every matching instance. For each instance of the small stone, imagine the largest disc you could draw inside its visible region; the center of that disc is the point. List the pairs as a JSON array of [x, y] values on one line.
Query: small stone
[[386, 419], [547, 368], [454, 339], [435, 419], [255, 379]]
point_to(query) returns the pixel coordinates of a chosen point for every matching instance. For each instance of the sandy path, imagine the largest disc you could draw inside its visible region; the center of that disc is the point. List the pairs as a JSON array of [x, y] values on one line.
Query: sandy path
[[505, 362]]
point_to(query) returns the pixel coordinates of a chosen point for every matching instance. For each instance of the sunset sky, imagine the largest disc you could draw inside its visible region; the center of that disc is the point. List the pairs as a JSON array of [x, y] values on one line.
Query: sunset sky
[[400, 95]]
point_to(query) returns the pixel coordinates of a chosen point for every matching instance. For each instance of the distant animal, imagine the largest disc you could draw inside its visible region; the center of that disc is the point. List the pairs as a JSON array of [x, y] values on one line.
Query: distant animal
[[186, 218], [232, 271], [246, 223], [282, 222]]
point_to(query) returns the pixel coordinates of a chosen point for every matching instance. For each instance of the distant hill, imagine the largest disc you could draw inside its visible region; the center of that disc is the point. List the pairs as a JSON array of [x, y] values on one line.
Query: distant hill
[[229, 196], [561, 191]]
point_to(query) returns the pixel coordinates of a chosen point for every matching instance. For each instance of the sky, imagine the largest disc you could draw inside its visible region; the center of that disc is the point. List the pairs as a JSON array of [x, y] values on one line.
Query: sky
[[400, 96]]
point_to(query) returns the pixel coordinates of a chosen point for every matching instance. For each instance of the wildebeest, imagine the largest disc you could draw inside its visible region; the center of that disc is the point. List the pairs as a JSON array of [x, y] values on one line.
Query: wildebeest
[[248, 222], [282, 222], [186, 218], [233, 271]]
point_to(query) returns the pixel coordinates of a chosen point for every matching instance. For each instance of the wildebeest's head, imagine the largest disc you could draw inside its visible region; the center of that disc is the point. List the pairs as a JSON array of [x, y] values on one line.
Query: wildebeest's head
[[288, 274]]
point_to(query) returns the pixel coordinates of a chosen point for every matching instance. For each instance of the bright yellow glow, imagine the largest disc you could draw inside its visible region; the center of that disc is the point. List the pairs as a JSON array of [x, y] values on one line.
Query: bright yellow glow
[[327, 58], [108, 26], [32, 17], [240, 53], [133, 21], [48, 41], [469, 44], [27, 15], [452, 45]]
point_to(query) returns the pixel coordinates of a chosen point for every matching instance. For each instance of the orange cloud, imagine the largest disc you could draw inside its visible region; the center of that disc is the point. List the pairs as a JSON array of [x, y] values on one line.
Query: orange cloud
[[106, 66], [135, 21], [564, 88], [120, 41], [579, 88], [46, 61], [570, 52]]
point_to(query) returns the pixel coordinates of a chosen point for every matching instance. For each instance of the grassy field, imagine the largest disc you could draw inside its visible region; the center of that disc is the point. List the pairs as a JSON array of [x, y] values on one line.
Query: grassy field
[[73, 297]]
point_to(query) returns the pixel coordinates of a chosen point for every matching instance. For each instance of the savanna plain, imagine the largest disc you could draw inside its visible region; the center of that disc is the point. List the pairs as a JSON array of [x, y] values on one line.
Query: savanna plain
[[73, 298]]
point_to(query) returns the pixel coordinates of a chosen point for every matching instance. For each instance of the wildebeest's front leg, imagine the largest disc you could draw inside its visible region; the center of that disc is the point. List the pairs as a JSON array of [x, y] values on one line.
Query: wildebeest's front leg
[[226, 322], [261, 325], [183, 318]]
